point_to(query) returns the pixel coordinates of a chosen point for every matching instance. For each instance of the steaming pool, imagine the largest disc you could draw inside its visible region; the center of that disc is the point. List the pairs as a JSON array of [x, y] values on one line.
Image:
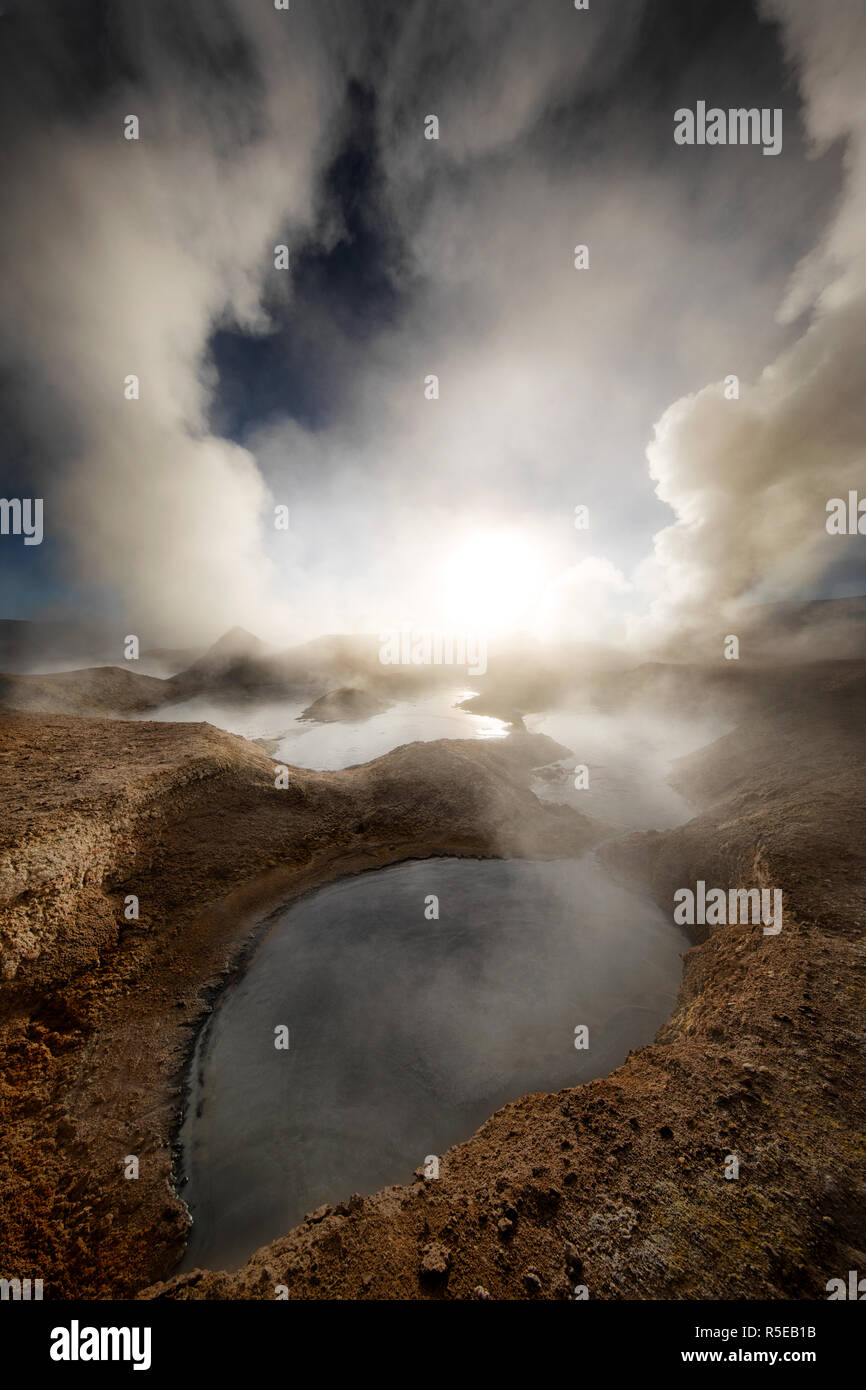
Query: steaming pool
[[405, 1033]]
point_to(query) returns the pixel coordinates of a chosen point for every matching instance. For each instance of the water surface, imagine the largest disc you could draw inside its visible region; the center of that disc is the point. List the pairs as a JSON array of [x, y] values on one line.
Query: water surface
[[407, 1033], [628, 759], [343, 743]]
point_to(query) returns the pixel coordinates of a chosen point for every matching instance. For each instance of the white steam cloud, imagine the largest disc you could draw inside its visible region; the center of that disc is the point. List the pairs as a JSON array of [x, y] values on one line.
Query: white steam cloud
[[128, 255], [749, 479]]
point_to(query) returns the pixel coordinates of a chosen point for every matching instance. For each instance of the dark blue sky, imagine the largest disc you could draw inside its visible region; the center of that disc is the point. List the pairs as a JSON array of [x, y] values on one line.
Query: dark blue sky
[[342, 295]]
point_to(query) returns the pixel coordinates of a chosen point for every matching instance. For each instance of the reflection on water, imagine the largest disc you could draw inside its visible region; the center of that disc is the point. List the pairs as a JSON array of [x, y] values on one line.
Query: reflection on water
[[406, 1033], [328, 747], [332, 746]]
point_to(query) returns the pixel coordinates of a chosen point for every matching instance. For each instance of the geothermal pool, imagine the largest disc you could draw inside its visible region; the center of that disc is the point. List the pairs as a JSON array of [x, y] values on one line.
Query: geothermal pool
[[406, 1033]]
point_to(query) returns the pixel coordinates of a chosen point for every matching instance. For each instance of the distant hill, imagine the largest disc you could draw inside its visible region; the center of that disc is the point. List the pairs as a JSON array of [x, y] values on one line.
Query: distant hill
[[236, 660], [241, 667], [811, 630], [99, 690], [25, 644], [794, 630], [28, 646], [522, 676]]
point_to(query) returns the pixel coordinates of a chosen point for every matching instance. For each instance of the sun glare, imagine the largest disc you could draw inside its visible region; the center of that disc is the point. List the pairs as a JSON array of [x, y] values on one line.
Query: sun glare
[[490, 580]]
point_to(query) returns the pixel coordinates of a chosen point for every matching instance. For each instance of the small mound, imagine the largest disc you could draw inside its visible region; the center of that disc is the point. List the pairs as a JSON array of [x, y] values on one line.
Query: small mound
[[346, 703]]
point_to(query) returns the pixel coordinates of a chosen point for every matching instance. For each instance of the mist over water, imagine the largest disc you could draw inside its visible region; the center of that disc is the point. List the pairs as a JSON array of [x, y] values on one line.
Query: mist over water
[[406, 1034], [628, 758], [333, 746], [345, 743], [628, 755]]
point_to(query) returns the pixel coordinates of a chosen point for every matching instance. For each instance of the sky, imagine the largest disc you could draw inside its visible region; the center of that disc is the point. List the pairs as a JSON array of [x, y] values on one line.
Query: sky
[[308, 388]]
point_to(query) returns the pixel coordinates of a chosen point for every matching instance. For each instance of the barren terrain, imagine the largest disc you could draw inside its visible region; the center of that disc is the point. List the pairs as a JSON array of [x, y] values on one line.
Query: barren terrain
[[617, 1187]]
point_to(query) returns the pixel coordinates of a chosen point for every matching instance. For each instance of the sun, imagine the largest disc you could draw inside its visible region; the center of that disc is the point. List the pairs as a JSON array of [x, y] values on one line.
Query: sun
[[490, 580]]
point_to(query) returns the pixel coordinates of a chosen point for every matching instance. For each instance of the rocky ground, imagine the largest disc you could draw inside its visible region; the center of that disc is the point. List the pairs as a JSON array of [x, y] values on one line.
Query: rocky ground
[[616, 1188]]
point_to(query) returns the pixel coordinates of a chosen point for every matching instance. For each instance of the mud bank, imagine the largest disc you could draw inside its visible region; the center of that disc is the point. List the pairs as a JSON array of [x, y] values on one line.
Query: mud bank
[[97, 1013], [619, 1186]]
